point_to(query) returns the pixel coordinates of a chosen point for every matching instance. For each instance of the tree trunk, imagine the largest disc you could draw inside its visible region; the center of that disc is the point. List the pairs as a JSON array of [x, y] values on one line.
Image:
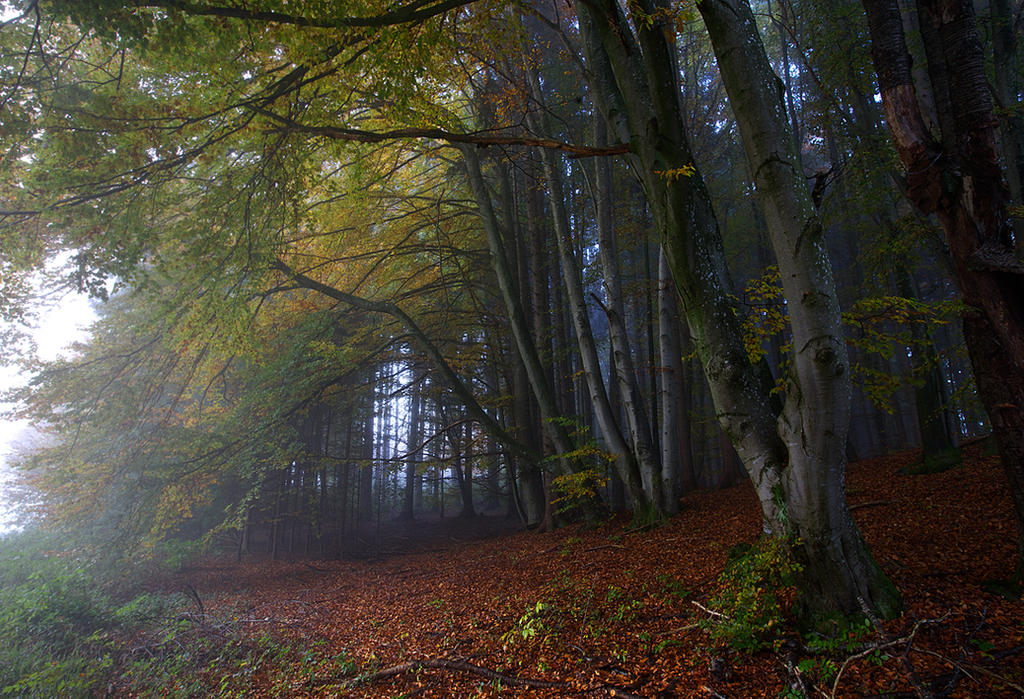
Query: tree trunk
[[938, 450], [624, 371], [674, 463], [644, 111], [633, 461], [463, 473], [1006, 90], [365, 477], [816, 416], [412, 452]]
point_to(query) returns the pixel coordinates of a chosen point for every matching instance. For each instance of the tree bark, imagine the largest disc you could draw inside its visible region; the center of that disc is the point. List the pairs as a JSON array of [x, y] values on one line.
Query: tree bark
[[669, 376]]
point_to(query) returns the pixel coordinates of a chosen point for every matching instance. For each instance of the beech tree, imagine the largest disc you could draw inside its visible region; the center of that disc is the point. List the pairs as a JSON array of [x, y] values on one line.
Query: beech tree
[[795, 458], [956, 173]]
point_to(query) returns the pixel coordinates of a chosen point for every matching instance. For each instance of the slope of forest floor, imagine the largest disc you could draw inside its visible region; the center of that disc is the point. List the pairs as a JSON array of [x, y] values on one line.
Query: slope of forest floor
[[611, 611]]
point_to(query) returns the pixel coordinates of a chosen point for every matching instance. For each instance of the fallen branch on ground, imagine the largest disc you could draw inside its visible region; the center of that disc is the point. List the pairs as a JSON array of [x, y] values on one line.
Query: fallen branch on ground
[[712, 612], [447, 664], [605, 546], [908, 639], [965, 666], [872, 503]]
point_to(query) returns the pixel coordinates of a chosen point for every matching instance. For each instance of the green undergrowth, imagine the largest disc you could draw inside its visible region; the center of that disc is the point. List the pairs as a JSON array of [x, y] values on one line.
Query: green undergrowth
[[752, 613], [749, 611], [938, 462], [71, 627]]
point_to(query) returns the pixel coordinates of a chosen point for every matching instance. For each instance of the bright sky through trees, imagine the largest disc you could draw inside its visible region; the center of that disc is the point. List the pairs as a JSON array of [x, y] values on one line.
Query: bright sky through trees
[[58, 328]]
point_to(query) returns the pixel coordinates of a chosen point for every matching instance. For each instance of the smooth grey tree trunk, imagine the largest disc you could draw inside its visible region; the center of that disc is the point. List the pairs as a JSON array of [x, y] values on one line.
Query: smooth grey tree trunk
[[624, 371], [839, 572], [412, 461]]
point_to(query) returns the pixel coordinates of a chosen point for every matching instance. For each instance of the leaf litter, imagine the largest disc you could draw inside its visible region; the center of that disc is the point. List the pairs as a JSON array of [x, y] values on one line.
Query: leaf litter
[[613, 611]]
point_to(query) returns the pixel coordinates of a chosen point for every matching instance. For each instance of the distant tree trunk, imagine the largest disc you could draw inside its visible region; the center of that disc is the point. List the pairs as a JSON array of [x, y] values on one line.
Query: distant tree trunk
[[616, 489], [648, 366], [961, 181], [687, 380], [412, 452], [463, 473], [343, 474], [366, 469], [624, 371], [938, 448], [676, 464], [525, 476]]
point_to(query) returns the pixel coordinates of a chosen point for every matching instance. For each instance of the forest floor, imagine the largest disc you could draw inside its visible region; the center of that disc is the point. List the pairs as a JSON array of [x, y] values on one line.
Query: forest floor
[[611, 611]]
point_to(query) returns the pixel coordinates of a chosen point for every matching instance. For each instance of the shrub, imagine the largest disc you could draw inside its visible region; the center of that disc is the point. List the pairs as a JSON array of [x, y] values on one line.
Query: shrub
[[749, 601]]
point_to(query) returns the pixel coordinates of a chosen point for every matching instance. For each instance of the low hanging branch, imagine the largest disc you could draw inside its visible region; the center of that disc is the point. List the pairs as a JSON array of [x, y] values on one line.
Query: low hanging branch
[[401, 14], [479, 139], [429, 348]]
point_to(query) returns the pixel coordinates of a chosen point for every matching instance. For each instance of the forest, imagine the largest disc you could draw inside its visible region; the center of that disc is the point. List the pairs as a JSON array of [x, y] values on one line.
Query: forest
[[633, 348]]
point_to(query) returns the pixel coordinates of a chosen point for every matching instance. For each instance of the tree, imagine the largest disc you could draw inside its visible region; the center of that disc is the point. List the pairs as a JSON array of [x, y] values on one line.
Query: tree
[[797, 471], [957, 175]]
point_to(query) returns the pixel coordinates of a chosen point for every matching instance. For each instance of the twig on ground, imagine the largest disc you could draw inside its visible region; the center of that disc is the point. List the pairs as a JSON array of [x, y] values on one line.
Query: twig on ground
[[712, 612], [965, 666], [868, 651], [871, 503], [449, 664], [908, 666]]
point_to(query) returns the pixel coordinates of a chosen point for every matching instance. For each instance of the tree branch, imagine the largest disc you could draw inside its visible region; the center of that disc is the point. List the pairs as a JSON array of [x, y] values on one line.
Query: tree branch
[[455, 383], [413, 12], [480, 139]]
